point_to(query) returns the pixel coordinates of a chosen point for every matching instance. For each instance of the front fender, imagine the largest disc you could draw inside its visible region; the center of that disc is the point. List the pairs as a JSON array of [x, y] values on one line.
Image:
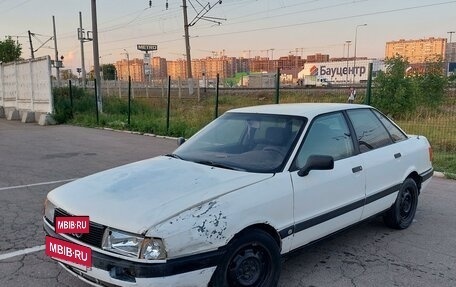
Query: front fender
[[213, 224]]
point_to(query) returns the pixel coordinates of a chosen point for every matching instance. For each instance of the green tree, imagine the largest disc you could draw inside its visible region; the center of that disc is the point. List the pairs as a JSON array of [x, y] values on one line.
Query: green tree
[[399, 94], [394, 91], [109, 72], [9, 50], [431, 84]]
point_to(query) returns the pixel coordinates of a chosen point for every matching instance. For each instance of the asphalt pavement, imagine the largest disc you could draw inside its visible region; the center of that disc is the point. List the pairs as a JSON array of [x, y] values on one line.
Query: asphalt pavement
[[35, 159]]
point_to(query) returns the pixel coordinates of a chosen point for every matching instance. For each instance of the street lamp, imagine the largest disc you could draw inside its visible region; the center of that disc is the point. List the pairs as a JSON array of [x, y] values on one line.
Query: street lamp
[[356, 38], [348, 56], [128, 62]]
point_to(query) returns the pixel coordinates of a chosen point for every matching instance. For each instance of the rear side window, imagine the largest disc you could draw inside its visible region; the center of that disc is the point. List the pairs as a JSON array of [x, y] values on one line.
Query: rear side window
[[396, 134], [370, 133]]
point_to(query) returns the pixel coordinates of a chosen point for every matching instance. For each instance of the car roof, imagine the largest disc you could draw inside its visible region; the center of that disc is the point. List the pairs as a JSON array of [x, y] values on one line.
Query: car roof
[[308, 110]]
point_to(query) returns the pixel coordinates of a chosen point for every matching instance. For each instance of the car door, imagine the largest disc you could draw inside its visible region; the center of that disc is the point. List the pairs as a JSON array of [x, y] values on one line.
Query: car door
[[381, 158], [327, 200]]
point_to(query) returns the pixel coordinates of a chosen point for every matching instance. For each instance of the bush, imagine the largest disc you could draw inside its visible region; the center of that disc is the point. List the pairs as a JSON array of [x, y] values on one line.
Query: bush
[[401, 95]]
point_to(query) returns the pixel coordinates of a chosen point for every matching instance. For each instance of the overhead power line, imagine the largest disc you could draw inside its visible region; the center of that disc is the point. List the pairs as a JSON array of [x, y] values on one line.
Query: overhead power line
[[16, 6], [329, 20]]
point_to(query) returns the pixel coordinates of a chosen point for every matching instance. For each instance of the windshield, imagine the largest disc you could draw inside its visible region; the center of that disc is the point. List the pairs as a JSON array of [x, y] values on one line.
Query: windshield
[[241, 141]]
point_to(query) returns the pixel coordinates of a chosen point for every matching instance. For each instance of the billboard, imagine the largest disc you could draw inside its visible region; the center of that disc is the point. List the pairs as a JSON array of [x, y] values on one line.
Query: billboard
[[341, 71]]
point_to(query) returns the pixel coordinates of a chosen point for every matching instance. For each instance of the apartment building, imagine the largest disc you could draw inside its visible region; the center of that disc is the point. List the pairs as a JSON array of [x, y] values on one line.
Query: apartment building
[[417, 51], [209, 66], [317, 58], [290, 62], [134, 67], [159, 68]]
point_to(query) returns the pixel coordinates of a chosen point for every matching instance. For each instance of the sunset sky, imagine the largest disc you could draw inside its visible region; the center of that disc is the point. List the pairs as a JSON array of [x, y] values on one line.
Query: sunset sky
[[252, 27]]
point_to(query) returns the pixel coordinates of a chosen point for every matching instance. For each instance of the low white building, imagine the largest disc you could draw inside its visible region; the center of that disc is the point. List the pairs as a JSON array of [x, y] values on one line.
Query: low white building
[[342, 71]]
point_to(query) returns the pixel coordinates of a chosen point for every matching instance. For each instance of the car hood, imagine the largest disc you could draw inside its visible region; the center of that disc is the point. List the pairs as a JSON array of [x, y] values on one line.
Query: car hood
[[137, 196]]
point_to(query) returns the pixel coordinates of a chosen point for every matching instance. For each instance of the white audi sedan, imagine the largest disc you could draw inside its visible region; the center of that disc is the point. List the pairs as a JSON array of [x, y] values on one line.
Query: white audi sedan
[[250, 187]]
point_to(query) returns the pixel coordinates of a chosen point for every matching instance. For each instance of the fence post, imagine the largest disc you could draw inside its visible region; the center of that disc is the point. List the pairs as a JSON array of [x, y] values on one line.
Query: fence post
[[179, 84], [129, 99], [120, 88], [163, 87], [71, 96], [277, 86], [198, 90], [96, 99], [367, 101], [217, 96], [168, 105]]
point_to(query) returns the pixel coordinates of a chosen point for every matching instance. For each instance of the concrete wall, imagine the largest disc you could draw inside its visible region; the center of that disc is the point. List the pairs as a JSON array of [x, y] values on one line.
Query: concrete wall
[[25, 86]]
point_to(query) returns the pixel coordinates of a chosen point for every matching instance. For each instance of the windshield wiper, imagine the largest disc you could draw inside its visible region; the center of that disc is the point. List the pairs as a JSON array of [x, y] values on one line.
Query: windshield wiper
[[218, 164], [173, 155]]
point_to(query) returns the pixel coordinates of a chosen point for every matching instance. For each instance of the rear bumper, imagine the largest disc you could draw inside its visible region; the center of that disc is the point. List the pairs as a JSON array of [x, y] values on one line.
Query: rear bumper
[[107, 270], [426, 178]]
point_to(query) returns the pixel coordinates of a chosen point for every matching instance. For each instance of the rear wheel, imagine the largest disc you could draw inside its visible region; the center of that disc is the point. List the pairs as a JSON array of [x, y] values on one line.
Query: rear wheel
[[401, 214], [252, 259]]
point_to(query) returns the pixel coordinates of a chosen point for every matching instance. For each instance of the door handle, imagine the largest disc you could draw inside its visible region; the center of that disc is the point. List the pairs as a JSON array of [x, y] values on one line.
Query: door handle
[[357, 169], [397, 155]]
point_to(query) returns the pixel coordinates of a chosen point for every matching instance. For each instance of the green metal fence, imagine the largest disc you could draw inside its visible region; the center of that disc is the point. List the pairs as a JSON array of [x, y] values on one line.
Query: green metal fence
[[176, 113]]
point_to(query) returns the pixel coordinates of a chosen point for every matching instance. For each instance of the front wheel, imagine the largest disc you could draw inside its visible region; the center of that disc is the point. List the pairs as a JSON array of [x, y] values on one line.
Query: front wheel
[[401, 214], [252, 259]]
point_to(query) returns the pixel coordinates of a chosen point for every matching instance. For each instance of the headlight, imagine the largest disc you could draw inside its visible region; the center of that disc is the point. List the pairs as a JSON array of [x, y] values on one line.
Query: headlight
[[49, 210], [133, 245]]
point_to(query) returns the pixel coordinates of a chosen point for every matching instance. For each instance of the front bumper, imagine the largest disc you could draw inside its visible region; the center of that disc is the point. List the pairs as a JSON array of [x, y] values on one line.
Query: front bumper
[[106, 270]]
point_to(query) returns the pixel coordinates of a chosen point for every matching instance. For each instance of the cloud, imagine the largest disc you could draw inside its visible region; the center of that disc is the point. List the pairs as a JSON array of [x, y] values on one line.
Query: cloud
[[71, 60]]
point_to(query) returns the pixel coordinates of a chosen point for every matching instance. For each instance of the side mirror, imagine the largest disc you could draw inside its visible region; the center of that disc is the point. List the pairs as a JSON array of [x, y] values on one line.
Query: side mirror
[[317, 162], [180, 141]]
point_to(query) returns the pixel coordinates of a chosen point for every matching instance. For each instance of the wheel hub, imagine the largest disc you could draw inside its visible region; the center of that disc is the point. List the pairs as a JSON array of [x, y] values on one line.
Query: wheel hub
[[406, 204], [248, 268]]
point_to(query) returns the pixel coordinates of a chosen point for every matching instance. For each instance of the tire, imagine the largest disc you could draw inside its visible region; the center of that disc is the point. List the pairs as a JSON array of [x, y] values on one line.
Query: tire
[[252, 259], [401, 214]]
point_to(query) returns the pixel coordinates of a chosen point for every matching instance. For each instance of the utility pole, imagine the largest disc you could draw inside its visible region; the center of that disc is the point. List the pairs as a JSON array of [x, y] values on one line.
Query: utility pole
[[83, 38], [187, 48], [296, 58], [200, 15], [56, 61], [272, 57], [96, 56], [31, 44]]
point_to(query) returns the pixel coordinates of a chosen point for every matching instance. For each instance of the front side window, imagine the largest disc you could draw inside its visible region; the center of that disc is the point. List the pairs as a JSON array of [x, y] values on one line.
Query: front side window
[[327, 135], [243, 141], [370, 133]]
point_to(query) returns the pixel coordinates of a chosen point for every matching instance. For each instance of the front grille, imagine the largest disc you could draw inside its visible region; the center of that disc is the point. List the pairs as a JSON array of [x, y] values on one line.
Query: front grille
[[96, 231]]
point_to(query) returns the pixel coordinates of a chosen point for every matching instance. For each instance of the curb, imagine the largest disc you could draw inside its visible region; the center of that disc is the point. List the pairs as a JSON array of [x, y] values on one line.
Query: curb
[[439, 174], [139, 133]]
